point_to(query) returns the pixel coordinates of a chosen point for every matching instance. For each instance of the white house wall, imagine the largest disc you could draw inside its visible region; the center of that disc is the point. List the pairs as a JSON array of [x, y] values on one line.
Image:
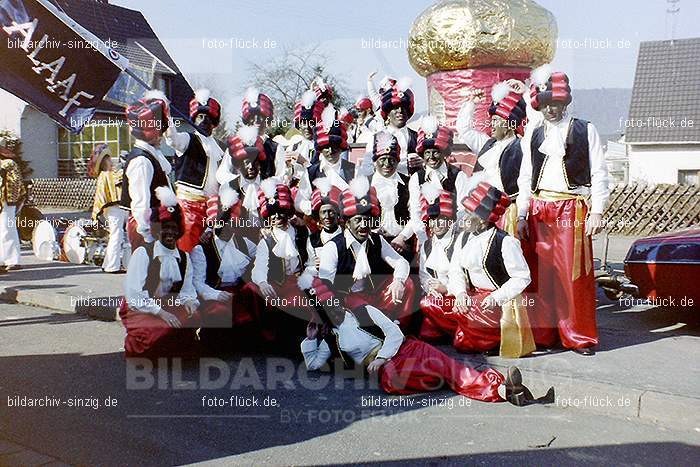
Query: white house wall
[[12, 108], [661, 163], [39, 142]]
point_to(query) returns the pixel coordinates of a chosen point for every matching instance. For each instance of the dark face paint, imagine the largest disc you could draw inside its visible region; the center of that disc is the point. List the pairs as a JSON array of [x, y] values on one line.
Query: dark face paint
[[328, 217], [386, 165]]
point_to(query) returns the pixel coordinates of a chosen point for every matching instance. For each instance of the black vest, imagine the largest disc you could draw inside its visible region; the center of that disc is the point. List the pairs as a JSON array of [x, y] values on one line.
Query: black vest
[[267, 167], [315, 239], [577, 166], [153, 274], [211, 253], [347, 170], [192, 167], [493, 263], [276, 270], [401, 208], [346, 263], [508, 165], [365, 323], [412, 141], [159, 178], [428, 248]]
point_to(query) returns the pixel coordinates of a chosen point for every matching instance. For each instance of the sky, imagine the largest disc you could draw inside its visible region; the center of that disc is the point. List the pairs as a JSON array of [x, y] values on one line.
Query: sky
[[597, 46]]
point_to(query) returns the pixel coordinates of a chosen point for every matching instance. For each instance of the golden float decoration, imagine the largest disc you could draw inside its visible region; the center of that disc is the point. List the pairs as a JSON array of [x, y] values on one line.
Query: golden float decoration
[[460, 34]]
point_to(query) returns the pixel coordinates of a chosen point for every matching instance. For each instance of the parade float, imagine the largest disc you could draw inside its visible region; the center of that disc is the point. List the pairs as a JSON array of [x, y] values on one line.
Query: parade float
[[461, 46]]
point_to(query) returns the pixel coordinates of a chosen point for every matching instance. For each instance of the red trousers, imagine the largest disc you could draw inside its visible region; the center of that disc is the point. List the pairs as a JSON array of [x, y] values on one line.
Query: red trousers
[[438, 317], [281, 318], [379, 298], [194, 217], [563, 286], [420, 367], [479, 330], [135, 239], [149, 336], [216, 314]]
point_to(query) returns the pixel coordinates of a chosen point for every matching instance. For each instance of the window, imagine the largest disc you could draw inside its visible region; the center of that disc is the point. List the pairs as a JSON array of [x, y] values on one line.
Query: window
[[74, 150], [689, 177]]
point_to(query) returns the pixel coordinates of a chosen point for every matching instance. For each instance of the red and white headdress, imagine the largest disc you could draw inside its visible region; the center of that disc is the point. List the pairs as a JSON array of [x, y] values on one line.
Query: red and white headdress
[[148, 117], [432, 135], [330, 131], [487, 202], [308, 109], [385, 144], [247, 144], [325, 193], [169, 209], [256, 103], [508, 102], [548, 86], [398, 94], [322, 90], [435, 202], [202, 102], [360, 198], [274, 197]]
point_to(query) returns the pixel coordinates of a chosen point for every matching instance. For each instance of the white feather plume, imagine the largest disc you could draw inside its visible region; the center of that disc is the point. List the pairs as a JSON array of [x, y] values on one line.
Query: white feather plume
[[248, 135], [430, 192], [319, 82], [323, 184], [328, 116], [307, 99], [227, 196], [429, 124], [541, 74], [403, 83], [359, 186], [500, 91], [305, 281], [473, 181], [202, 96], [155, 94], [385, 82], [166, 196], [251, 95], [269, 186], [365, 168]]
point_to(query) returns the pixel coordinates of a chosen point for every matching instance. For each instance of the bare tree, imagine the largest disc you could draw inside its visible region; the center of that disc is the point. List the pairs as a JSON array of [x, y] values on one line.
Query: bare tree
[[285, 78]]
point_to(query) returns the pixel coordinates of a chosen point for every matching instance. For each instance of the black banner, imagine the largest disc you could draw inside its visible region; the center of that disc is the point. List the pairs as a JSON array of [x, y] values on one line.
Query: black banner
[[54, 64]]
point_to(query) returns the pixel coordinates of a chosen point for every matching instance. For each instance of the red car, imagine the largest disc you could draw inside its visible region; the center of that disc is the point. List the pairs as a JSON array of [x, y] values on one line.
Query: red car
[[667, 266]]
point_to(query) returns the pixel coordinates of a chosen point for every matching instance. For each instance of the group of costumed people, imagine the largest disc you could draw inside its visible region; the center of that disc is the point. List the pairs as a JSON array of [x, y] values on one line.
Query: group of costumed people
[[273, 243]]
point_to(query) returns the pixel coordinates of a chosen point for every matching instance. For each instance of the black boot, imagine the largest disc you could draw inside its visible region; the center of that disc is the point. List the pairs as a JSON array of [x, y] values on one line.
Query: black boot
[[518, 394]]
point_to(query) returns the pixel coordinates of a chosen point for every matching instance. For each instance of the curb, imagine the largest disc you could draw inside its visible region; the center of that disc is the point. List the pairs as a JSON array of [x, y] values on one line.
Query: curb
[[64, 303]]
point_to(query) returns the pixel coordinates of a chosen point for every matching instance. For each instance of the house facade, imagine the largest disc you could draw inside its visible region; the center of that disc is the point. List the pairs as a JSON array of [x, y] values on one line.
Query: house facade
[[53, 151], [663, 129]]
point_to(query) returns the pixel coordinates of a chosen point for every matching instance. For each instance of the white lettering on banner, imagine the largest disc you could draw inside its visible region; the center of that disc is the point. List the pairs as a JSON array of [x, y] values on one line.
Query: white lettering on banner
[[26, 30]]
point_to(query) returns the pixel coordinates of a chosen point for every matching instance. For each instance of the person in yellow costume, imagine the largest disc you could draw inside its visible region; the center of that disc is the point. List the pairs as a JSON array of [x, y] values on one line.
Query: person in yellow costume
[[12, 192], [107, 195]]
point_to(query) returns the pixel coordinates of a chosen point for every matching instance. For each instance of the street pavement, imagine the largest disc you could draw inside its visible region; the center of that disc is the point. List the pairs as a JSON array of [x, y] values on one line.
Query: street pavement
[[116, 413]]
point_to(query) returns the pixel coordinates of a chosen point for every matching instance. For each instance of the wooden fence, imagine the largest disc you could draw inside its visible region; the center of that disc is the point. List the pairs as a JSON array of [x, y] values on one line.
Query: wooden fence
[[639, 209], [76, 193]]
